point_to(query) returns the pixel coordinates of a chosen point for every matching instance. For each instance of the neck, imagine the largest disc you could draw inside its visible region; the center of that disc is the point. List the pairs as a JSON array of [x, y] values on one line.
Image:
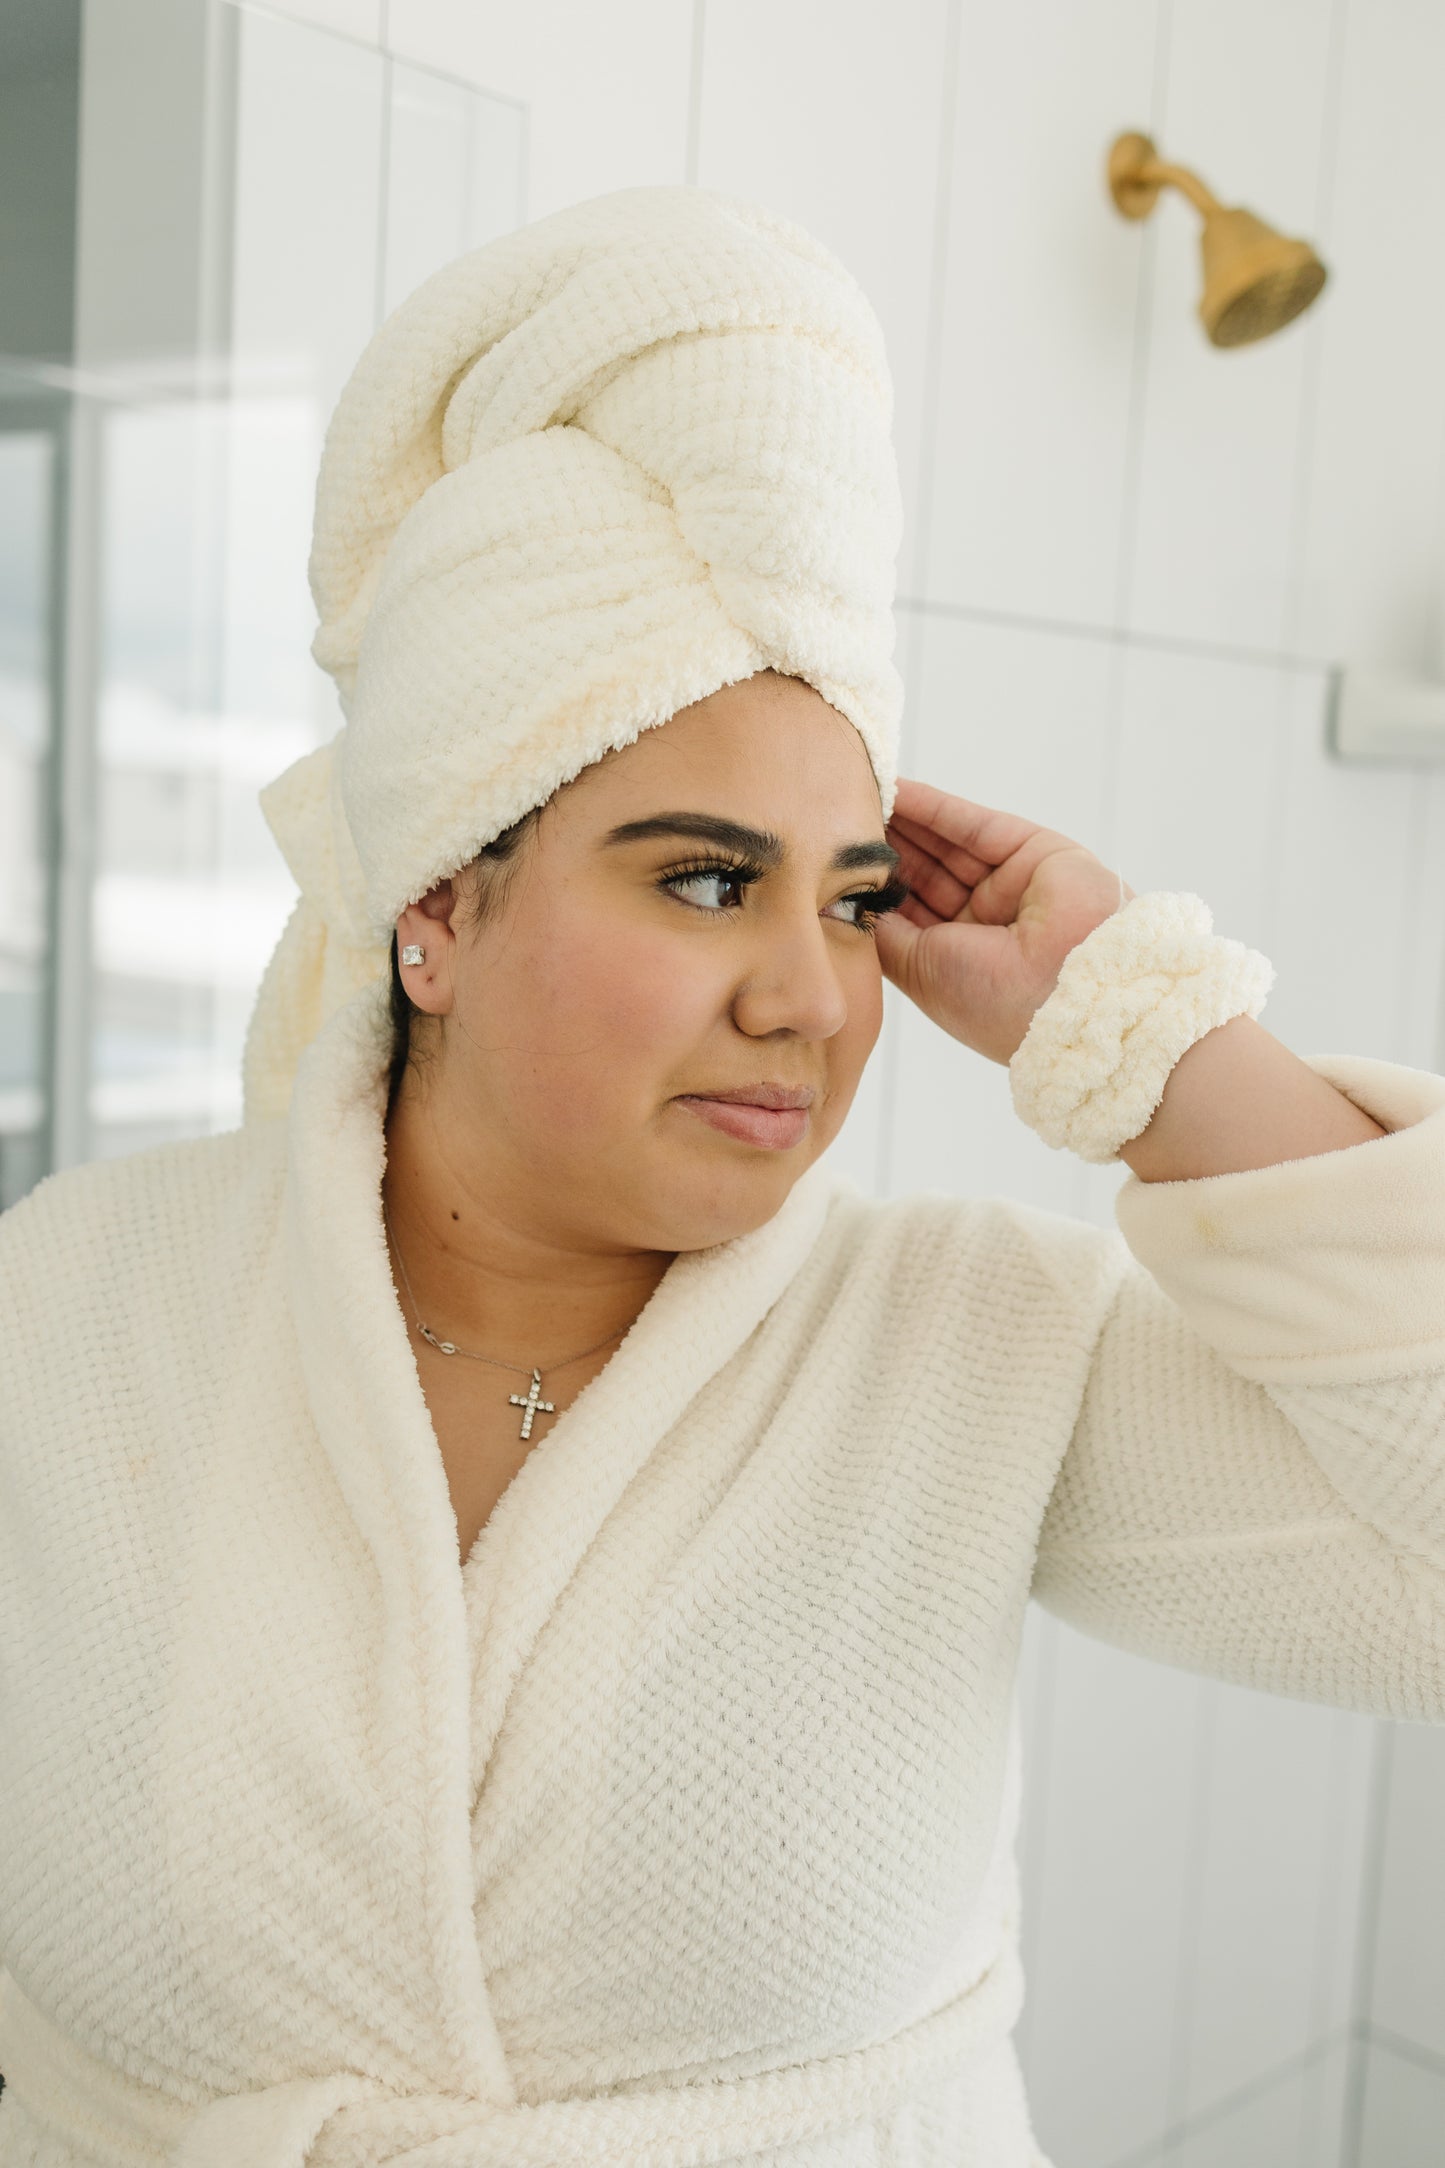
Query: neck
[[487, 1274]]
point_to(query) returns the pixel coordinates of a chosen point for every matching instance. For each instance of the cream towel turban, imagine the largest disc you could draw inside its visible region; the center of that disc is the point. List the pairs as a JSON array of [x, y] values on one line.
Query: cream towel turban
[[582, 477]]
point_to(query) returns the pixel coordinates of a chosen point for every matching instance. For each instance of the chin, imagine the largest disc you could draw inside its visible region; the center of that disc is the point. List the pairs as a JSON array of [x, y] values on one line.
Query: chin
[[698, 1209]]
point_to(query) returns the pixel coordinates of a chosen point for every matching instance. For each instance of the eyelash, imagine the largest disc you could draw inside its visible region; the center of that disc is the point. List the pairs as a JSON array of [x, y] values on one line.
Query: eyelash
[[744, 871]]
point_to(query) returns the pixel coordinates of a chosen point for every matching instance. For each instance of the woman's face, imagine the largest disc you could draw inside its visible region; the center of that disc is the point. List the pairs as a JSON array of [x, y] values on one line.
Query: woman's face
[[688, 917]]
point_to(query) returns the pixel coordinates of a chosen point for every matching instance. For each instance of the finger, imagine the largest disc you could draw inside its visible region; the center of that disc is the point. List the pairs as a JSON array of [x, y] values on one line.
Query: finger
[[944, 894], [917, 912], [995, 891], [986, 832], [898, 938], [963, 866]]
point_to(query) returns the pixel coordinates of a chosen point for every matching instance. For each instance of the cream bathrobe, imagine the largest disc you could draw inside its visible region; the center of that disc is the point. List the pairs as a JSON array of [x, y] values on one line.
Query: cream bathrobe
[[678, 1826]]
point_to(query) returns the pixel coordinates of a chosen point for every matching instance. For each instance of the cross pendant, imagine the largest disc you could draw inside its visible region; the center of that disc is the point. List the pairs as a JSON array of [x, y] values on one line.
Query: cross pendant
[[532, 1400]]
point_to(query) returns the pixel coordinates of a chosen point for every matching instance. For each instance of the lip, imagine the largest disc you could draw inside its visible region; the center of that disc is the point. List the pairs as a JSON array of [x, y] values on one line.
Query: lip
[[774, 1116], [762, 1095]]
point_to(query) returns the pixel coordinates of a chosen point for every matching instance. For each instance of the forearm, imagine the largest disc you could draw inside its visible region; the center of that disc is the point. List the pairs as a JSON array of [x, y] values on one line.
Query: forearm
[[1239, 1099]]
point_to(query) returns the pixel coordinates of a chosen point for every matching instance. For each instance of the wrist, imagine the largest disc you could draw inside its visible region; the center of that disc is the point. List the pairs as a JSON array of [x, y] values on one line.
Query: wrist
[[1130, 1000], [1239, 1099]]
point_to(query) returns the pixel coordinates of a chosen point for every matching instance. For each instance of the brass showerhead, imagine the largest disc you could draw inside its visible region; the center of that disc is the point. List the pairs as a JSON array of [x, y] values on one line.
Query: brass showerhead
[[1255, 280]]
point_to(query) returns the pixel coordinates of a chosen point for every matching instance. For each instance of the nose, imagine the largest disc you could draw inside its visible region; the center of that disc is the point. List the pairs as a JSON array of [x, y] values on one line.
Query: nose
[[794, 987]]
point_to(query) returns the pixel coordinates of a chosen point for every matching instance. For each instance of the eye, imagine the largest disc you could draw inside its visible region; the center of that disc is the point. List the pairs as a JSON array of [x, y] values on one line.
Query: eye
[[856, 905], [705, 887], [869, 904], [715, 887], [713, 876]]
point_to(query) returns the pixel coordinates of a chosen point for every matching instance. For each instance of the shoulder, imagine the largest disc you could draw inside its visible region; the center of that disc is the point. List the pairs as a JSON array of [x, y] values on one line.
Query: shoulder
[[990, 1248], [108, 1221]]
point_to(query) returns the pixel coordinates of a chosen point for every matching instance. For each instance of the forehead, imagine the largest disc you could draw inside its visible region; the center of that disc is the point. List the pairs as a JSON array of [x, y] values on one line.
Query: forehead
[[768, 749]]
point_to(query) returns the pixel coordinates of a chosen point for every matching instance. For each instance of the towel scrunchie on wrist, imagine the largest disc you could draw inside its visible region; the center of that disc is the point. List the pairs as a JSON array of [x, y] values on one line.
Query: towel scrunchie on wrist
[[1131, 998]]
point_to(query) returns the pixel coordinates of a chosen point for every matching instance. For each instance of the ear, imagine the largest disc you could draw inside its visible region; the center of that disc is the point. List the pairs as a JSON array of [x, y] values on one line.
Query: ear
[[427, 924]]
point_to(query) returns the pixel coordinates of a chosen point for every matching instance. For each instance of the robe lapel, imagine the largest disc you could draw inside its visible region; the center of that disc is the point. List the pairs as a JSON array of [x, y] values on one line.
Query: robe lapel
[[699, 1315], [441, 1624], [370, 1415]]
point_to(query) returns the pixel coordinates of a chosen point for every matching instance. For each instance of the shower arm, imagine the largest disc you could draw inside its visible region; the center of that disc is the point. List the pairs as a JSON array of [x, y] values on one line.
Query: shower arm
[[1157, 173], [1137, 173]]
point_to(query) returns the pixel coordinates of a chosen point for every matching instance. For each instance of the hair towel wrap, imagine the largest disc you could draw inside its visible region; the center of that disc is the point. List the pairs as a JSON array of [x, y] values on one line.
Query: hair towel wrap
[[581, 478]]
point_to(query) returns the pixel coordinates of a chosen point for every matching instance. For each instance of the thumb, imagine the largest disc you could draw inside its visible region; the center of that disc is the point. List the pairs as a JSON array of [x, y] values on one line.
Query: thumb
[[897, 939], [958, 974]]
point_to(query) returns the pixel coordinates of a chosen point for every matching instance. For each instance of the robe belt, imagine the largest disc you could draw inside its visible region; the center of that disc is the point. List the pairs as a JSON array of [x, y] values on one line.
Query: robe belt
[[346, 2120]]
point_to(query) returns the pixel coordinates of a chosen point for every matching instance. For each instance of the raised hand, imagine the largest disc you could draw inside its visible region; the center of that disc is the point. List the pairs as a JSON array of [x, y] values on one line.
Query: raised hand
[[997, 904]]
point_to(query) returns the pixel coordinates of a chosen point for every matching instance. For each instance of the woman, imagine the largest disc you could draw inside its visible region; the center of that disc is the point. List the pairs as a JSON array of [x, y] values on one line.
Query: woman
[[511, 1580]]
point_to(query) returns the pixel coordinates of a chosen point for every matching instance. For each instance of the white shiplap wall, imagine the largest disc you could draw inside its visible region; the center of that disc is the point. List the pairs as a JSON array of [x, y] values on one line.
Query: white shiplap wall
[[1129, 562]]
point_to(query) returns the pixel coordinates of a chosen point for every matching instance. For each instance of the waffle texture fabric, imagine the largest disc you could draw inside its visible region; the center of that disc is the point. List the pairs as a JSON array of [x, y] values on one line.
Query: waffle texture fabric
[[584, 476], [677, 1824]]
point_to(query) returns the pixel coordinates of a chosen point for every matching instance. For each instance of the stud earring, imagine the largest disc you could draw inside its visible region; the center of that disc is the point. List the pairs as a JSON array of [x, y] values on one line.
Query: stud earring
[[411, 954]]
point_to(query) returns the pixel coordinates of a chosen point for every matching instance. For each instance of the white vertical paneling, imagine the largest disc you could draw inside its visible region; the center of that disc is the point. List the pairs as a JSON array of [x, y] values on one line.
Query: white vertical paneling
[[1015, 718], [1404, 2113], [1123, 1771], [303, 303], [1323, 2118], [1421, 1036], [606, 87], [1323, 2138], [308, 133], [1198, 753], [1269, 1873], [1260, 2131], [1408, 1999], [840, 129], [1039, 317], [1220, 453], [1372, 573], [1342, 862], [1095, 1188], [350, 18], [952, 1127], [454, 175], [1341, 1905], [204, 682]]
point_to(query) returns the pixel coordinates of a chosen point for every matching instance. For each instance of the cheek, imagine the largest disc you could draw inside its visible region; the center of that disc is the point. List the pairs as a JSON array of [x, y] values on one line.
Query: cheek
[[589, 1021], [610, 1003], [847, 1052], [865, 1005]]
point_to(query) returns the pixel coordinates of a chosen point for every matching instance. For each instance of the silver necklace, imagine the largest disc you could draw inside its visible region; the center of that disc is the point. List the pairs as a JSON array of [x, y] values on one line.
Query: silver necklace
[[530, 1402]]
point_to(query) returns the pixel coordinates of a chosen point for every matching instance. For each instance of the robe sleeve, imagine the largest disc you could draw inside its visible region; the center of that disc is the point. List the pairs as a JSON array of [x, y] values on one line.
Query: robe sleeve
[[1255, 1483]]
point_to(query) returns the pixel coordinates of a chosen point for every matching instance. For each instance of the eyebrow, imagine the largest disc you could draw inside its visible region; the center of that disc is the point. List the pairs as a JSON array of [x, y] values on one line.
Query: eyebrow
[[761, 843]]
